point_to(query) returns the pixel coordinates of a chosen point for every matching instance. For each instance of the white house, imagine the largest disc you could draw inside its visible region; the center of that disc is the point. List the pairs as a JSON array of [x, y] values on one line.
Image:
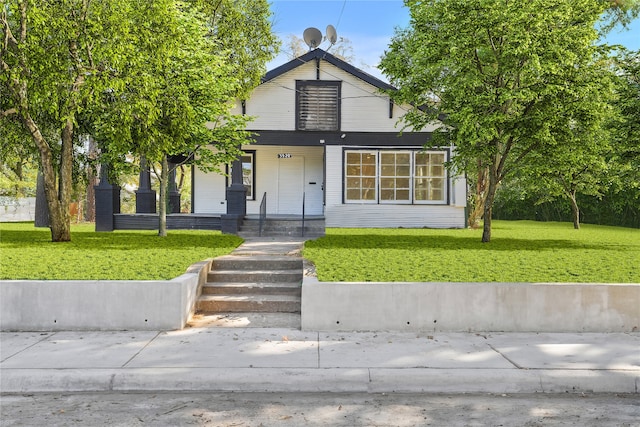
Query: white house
[[325, 133]]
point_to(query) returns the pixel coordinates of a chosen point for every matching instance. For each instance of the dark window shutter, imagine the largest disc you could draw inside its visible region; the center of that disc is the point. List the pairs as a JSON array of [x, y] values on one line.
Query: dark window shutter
[[319, 106]]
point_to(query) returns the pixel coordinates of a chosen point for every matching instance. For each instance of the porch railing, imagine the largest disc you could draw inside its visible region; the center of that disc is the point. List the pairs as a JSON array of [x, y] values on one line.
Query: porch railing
[[263, 213]]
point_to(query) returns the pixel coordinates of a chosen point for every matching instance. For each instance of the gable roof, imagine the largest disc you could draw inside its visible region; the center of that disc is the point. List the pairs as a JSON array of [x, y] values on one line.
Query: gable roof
[[326, 56]]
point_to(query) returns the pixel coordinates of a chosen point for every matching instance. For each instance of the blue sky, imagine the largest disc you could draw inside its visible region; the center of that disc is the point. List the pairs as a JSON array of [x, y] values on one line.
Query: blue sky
[[369, 25]]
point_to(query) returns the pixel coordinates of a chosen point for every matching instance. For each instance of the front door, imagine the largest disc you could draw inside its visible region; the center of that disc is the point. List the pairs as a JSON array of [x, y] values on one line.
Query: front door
[[290, 185]]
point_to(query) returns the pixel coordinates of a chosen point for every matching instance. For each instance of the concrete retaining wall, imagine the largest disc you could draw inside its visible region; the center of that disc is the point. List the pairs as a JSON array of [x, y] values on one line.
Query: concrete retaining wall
[[13, 209], [51, 305], [455, 307]]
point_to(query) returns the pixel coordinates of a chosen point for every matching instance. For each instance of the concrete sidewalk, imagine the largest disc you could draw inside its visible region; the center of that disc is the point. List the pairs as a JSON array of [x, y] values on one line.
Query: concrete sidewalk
[[290, 360]]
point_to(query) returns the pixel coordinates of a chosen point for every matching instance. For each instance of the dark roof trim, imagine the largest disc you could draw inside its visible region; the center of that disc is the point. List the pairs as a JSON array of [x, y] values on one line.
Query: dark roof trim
[[326, 56], [305, 138]]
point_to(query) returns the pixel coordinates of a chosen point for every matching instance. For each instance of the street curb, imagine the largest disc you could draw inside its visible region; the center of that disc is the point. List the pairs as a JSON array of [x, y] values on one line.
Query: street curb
[[371, 380]]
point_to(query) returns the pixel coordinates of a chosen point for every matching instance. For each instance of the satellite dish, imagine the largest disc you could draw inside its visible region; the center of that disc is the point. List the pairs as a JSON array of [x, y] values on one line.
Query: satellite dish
[[312, 37], [332, 35]]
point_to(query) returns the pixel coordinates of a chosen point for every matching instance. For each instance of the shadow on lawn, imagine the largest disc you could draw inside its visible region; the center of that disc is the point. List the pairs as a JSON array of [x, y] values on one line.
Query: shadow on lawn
[[409, 242], [121, 240]]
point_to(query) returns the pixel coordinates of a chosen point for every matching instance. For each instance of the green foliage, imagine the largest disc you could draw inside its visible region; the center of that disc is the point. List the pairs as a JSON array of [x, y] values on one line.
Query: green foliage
[[28, 253], [524, 252], [507, 79]]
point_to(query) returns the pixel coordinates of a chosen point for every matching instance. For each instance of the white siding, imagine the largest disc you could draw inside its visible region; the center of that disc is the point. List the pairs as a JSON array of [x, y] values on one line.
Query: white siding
[[208, 192], [364, 108]]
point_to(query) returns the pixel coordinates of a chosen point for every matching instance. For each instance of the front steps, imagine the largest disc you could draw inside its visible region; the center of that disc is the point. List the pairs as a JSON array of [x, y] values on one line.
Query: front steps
[[252, 284], [283, 226]]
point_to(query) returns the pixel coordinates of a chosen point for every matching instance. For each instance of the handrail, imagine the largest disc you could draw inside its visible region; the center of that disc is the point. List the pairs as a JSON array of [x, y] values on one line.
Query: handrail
[[303, 197], [263, 213]]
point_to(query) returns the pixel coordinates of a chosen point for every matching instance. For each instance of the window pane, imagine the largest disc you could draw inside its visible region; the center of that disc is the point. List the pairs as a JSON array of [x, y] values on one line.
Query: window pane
[[403, 158], [369, 170], [368, 159], [402, 183], [437, 170], [387, 183], [403, 171], [387, 195], [402, 195], [388, 170], [353, 158], [353, 194], [247, 174], [369, 183], [353, 182]]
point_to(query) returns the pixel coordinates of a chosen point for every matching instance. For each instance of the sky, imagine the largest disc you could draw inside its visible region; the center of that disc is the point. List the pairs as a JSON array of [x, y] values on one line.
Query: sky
[[369, 25]]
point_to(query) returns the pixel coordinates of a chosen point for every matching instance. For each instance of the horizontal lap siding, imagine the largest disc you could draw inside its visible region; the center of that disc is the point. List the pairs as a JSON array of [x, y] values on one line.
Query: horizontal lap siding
[[392, 216], [208, 192], [363, 107]]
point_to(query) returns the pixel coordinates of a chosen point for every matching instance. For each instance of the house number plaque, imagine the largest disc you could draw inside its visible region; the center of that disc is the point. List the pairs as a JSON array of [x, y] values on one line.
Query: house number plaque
[[284, 155]]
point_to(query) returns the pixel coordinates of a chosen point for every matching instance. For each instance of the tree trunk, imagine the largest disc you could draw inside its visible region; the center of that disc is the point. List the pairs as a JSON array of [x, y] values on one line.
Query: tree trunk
[[479, 197], [575, 210], [162, 213], [59, 220], [488, 204]]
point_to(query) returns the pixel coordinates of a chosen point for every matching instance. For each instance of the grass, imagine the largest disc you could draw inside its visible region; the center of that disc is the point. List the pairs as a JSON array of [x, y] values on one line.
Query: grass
[[27, 252], [520, 251]]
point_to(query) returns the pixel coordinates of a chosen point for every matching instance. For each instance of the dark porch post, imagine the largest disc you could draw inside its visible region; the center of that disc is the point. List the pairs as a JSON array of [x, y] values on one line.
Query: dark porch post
[[174, 194], [145, 196], [107, 201], [236, 200]]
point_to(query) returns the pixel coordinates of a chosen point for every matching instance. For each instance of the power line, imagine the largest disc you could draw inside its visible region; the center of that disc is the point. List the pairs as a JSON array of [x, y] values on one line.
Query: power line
[[370, 94], [341, 12]]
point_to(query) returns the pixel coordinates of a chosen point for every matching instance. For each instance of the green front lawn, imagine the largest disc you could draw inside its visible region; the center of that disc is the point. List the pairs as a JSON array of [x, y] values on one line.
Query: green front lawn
[[520, 251], [26, 252]]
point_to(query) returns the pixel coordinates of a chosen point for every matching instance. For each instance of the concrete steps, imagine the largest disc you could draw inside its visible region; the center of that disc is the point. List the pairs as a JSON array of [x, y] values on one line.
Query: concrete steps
[[313, 227], [252, 284]]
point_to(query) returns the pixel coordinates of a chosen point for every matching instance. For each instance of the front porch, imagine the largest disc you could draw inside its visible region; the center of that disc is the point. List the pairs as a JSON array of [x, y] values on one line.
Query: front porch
[[274, 225]]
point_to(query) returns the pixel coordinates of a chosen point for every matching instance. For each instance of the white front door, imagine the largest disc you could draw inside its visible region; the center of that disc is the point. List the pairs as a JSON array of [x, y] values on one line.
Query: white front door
[[290, 185]]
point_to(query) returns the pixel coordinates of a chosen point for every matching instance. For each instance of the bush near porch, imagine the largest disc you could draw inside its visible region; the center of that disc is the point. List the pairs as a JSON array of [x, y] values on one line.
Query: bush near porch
[[520, 251], [27, 252]]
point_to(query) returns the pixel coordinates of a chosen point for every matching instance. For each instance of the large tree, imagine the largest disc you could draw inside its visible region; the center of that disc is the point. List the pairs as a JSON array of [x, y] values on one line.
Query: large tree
[[180, 88], [54, 57], [498, 74]]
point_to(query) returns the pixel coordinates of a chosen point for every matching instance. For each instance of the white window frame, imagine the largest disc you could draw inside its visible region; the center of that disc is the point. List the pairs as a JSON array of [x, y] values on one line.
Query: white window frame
[[395, 177], [360, 176], [377, 153]]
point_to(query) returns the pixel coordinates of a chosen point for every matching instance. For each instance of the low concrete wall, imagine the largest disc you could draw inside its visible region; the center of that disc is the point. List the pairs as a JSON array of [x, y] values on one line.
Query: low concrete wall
[[52, 305], [455, 307], [13, 209]]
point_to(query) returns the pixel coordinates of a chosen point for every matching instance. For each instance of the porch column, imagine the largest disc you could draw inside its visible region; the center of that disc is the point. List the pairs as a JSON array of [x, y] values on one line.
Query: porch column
[[236, 200], [145, 196], [174, 194], [107, 201]]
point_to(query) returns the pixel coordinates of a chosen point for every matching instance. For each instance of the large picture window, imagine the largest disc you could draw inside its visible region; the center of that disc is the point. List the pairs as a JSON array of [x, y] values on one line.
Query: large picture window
[[318, 105], [395, 176]]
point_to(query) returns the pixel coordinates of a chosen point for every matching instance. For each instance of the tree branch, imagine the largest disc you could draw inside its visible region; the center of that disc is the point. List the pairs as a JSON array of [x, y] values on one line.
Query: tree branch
[[8, 112]]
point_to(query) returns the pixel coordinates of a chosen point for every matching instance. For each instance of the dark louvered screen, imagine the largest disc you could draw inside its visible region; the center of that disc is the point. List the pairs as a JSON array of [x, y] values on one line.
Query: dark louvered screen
[[318, 106]]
